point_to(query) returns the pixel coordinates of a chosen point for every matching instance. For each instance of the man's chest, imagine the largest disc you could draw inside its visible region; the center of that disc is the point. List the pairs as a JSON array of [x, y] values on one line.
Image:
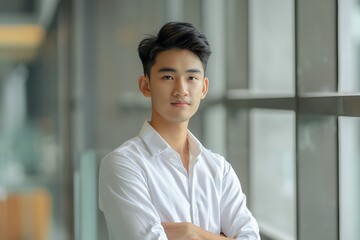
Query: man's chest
[[181, 196]]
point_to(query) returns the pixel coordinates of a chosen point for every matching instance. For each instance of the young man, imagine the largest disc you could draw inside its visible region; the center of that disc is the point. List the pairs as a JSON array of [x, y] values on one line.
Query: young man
[[163, 184]]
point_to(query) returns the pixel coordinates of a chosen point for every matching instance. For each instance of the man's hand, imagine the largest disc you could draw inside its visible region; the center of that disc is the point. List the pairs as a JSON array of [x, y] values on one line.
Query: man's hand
[[188, 231]]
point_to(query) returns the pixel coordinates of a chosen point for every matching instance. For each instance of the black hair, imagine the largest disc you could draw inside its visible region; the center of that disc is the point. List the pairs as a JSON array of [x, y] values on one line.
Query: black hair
[[173, 35]]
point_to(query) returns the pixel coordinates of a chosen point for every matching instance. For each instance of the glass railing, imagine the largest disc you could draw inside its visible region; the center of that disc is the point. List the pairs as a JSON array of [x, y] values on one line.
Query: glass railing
[[89, 220]]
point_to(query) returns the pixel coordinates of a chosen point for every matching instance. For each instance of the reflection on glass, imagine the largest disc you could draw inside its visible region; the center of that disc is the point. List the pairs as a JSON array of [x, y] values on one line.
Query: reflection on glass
[[272, 171], [349, 172], [271, 46]]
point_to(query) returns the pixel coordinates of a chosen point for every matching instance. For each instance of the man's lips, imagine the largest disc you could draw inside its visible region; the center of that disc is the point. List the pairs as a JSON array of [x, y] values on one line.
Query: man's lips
[[180, 103]]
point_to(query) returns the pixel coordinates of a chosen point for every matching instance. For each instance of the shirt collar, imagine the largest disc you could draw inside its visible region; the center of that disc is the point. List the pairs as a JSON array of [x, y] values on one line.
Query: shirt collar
[[194, 145], [156, 144]]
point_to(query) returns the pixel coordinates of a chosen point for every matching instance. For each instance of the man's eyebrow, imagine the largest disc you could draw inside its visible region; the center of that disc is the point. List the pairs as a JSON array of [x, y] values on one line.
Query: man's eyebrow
[[194, 70], [167, 69]]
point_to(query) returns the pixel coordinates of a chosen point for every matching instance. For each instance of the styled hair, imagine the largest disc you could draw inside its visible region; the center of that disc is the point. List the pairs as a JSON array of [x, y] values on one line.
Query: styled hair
[[172, 35]]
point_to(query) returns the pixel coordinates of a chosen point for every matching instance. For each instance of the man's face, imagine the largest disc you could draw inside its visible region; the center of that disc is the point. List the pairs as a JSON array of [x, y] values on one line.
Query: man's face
[[176, 86]]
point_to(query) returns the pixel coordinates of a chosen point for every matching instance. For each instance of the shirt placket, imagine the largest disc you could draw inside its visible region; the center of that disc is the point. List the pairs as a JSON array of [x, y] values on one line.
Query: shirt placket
[[192, 190], [185, 180]]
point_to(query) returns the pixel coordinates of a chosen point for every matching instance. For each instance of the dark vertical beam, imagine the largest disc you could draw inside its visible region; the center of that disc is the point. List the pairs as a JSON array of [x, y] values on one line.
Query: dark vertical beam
[[65, 70]]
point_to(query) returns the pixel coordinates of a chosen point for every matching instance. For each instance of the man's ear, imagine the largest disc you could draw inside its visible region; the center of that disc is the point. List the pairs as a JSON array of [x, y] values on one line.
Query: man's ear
[[205, 88], [144, 85]]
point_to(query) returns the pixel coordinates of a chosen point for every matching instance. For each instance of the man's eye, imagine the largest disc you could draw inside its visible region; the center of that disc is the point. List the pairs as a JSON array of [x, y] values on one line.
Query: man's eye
[[167, 77], [192, 78]]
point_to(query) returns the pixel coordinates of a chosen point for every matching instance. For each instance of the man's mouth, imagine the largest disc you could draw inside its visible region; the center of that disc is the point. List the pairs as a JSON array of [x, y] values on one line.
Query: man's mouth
[[180, 103]]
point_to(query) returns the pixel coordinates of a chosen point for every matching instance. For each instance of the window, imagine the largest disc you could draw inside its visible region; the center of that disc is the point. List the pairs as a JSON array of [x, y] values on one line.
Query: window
[[272, 171]]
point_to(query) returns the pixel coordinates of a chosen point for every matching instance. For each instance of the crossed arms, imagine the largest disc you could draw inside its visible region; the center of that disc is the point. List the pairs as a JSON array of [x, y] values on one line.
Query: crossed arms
[[131, 208]]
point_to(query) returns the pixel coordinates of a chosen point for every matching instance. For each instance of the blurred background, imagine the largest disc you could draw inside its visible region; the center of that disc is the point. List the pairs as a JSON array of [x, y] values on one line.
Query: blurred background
[[283, 107]]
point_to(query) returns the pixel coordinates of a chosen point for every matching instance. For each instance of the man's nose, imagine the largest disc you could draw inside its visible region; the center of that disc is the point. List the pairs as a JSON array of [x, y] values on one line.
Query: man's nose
[[181, 88]]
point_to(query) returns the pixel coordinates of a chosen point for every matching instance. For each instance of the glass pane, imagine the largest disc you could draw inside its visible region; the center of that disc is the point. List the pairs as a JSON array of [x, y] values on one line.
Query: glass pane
[[316, 46], [349, 171], [349, 45], [237, 143], [317, 177], [236, 44], [272, 172], [271, 46], [214, 125]]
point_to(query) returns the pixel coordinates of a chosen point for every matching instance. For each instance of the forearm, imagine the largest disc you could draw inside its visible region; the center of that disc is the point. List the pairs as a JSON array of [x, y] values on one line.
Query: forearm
[[205, 235], [188, 231]]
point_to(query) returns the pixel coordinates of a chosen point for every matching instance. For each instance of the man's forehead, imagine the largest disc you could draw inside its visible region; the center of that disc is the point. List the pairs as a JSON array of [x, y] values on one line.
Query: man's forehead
[[175, 59]]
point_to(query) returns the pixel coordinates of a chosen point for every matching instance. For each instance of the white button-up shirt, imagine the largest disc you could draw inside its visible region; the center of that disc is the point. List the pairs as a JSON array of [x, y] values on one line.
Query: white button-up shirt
[[143, 183]]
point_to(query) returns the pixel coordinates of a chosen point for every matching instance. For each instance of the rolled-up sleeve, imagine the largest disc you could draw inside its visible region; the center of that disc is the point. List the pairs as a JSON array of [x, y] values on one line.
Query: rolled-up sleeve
[[236, 219], [125, 201]]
